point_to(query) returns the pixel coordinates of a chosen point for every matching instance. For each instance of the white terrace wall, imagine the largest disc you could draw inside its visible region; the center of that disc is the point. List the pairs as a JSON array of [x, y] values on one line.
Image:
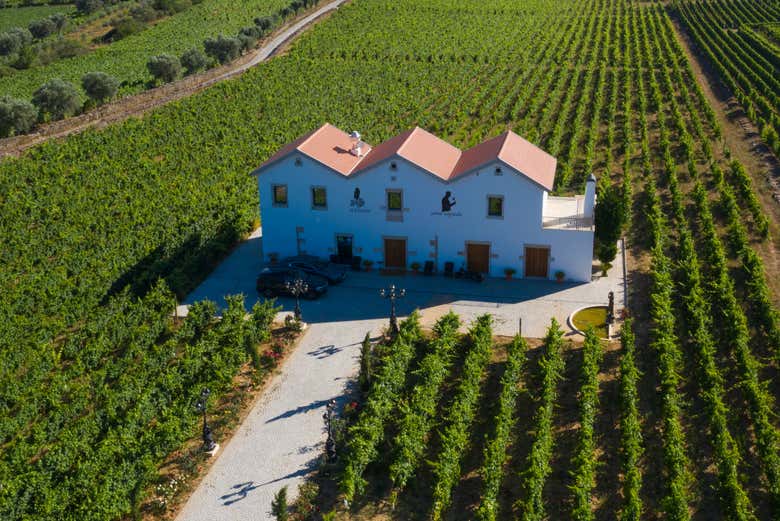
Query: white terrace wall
[[424, 225]]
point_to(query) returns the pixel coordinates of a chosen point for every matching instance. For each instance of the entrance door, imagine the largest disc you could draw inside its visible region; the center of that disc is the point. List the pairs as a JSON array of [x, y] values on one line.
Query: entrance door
[[344, 248], [537, 261], [478, 257], [395, 253]]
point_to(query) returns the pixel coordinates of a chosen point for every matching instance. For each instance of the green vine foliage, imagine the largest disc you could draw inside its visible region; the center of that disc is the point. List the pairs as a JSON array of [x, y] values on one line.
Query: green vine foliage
[[455, 435], [630, 427], [367, 432], [121, 400], [584, 462], [418, 411], [495, 453], [538, 463]]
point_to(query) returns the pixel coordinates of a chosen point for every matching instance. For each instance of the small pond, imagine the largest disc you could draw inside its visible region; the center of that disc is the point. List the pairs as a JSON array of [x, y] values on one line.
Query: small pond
[[595, 316]]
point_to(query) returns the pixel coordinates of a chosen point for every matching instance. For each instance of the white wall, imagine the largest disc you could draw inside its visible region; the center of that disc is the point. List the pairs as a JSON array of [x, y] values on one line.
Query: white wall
[[423, 221]]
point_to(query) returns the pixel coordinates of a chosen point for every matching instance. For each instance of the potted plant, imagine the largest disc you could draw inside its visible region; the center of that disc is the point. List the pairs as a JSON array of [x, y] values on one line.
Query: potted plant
[[367, 264], [560, 275], [273, 258], [415, 266], [509, 272]]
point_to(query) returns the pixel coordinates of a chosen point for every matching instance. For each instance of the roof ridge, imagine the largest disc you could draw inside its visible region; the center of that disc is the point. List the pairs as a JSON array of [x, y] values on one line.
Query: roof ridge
[[505, 135]]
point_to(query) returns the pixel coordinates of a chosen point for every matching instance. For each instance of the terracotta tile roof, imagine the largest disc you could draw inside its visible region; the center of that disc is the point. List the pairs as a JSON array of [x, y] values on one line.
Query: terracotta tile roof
[[331, 147], [328, 145]]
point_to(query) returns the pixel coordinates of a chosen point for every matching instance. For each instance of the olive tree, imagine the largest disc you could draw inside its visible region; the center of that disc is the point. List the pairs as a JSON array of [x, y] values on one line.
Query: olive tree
[[16, 116], [13, 40], [57, 99], [193, 60], [42, 28], [164, 67], [223, 49], [99, 86]]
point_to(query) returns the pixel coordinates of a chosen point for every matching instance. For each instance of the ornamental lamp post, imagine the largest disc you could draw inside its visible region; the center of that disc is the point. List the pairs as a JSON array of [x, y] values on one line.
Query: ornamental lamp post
[[208, 440], [297, 287], [392, 294]]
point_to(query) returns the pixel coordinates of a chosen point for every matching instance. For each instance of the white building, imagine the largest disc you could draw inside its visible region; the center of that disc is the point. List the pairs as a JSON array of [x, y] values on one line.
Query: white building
[[416, 198]]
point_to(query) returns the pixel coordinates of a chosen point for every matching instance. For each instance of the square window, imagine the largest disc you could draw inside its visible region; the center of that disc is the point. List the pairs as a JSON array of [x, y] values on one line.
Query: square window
[[280, 195], [395, 201], [495, 206], [319, 197]]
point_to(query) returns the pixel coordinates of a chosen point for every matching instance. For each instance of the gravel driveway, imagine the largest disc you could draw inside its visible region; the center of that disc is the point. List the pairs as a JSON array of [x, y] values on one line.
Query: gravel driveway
[[281, 440]]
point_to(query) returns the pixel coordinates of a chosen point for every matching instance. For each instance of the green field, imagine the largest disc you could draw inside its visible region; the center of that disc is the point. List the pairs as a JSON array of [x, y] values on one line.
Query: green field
[[749, 63], [21, 16], [126, 59], [601, 84]]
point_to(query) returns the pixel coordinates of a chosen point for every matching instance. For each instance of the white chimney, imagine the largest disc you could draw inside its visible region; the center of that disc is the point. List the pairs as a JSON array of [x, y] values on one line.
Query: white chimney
[[590, 196], [357, 144]]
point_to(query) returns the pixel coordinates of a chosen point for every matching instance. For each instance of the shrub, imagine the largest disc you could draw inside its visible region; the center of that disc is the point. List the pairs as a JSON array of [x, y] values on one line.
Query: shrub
[[17, 116], [223, 49], [42, 28], [164, 67], [99, 86], [609, 219], [279, 505], [193, 60], [88, 6], [56, 98]]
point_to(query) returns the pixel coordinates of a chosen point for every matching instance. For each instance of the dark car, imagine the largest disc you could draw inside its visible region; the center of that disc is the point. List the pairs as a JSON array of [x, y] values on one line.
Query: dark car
[[277, 281], [316, 267]]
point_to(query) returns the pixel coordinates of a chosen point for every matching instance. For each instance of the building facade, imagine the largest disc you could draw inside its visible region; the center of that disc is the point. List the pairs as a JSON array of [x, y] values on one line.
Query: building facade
[[416, 198]]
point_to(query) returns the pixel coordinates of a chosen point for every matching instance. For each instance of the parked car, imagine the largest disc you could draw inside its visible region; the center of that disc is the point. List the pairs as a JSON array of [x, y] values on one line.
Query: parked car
[[314, 266], [273, 282]]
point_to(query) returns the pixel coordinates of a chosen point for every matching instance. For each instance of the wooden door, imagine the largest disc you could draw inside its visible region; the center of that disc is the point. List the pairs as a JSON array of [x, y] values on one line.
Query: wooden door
[[536, 262], [395, 253], [478, 258]]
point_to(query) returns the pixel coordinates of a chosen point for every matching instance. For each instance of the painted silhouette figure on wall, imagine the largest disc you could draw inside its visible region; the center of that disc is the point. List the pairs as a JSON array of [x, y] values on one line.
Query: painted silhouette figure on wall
[[357, 201], [447, 202]]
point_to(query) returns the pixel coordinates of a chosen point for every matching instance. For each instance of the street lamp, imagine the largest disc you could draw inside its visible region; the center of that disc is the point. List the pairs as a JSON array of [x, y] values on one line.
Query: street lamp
[[208, 440], [330, 444], [392, 294], [297, 287]]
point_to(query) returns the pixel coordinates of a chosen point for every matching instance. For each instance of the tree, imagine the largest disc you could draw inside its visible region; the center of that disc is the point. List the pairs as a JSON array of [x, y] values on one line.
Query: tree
[[57, 98], [59, 20], [40, 29], [610, 217], [193, 60], [88, 6], [17, 116], [164, 67], [223, 49], [279, 505], [99, 86], [366, 368], [13, 40]]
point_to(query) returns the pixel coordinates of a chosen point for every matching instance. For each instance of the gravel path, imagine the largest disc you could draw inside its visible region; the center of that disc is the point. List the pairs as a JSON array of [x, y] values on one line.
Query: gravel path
[[281, 440]]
